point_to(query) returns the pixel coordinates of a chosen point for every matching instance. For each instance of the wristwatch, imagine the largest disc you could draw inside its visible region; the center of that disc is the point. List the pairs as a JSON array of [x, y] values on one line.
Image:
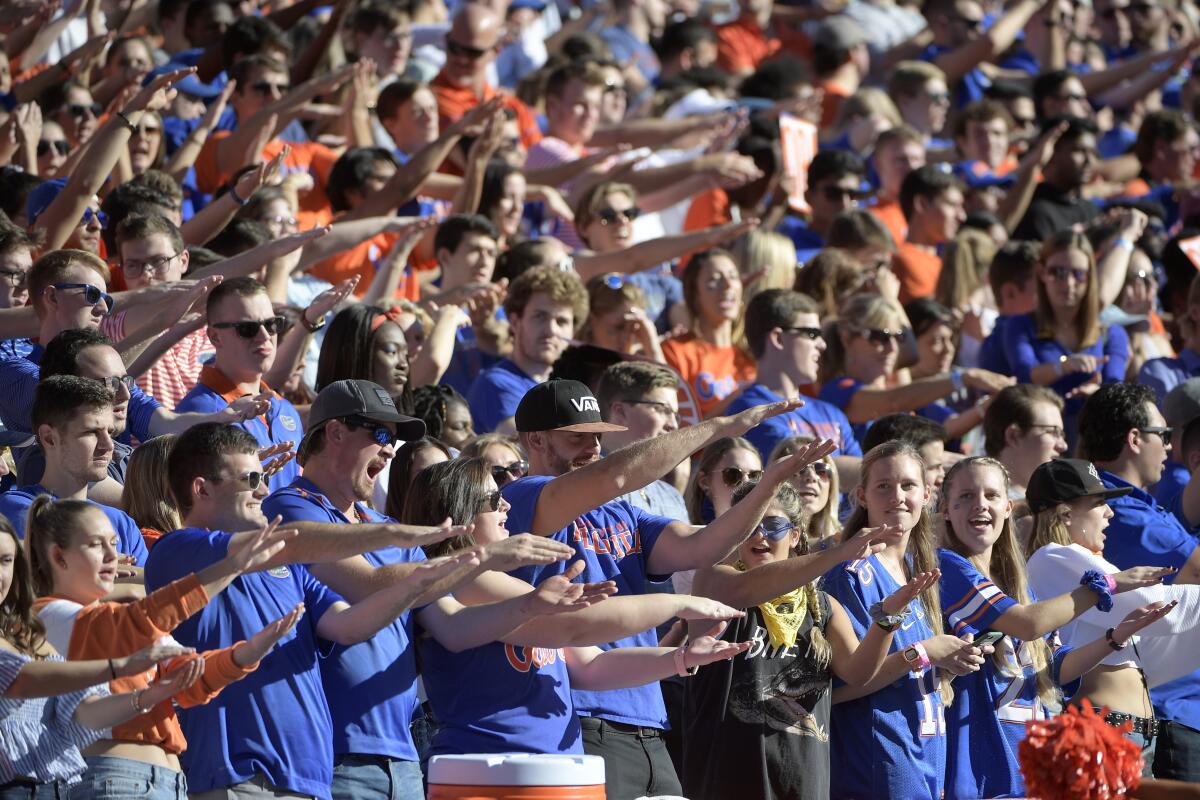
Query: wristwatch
[[311, 327], [916, 657], [889, 622]]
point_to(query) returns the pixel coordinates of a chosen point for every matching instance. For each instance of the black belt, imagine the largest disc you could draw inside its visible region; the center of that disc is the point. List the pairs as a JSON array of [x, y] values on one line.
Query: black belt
[[1146, 726], [624, 727]]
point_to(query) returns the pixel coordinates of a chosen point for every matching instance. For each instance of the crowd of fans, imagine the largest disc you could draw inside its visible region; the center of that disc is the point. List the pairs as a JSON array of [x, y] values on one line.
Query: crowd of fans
[[386, 380]]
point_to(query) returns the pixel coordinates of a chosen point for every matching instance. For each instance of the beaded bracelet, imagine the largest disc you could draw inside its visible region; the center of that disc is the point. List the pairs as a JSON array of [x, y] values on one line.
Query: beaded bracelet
[[1097, 581]]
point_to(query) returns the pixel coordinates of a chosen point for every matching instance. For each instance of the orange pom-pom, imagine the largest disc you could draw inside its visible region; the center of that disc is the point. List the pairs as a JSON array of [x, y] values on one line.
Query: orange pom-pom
[[1077, 754]]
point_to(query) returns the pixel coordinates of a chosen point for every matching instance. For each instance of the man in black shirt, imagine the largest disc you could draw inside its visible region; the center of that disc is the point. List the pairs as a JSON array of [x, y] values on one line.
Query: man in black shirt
[[1058, 202]]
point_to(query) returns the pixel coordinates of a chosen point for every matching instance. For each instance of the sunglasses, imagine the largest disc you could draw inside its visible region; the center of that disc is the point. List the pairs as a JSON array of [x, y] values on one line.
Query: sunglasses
[[836, 193], [809, 333], [462, 51], [91, 295], [881, 336], [513, 471], [14, 277], [251, 480], [614, 281], [774, 528], [382, 434], [819, 468], [1063, 273], [60, 146], [91, 215], [610, 216], [80, 110], [266, 87], [735, 477], [1164, 433], [491, 502], [248, 329], [115, 382]]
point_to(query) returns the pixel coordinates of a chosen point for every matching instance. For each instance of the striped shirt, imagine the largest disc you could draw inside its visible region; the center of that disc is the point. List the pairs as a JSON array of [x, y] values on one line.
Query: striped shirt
[[40, 737]]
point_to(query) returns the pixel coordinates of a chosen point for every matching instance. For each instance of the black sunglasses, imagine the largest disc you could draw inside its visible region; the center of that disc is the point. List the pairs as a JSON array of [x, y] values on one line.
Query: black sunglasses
[[835, 193], [455, 49], [1165, 433], [735, 477], [266, 87], [491, 502], [811, 333], [881, 336], [513, 471], [382, 434], [80, 110], [248, 329], [91, 295], [115, 382], [610, 216], [61, 146]]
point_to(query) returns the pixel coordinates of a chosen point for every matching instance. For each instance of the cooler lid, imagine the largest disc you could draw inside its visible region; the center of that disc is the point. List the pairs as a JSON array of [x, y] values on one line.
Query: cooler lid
[[516, 769]]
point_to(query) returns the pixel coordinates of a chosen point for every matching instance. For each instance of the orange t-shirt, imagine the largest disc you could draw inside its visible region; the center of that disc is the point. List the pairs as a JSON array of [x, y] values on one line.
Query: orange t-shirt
[[708, 209], [455, 101], [890, 214], [713, 372], [831, 102], [742, 45], [315, 159], [364, 260], [101, 629], [918, 271]]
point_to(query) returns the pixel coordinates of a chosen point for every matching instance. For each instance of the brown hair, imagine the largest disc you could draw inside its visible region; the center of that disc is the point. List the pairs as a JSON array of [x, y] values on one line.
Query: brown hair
[[965, 267], [592, 201], [1013, 405], [562, 287], [603, 298], [147, 495], [693, 495], [691, 290], [52, 522], [453, 489], [826, 520], [18, 624], [1087, 316]]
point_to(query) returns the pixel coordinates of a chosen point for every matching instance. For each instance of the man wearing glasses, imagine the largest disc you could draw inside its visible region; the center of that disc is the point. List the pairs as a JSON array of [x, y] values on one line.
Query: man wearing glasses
[[244, 331], [783, 330], [1123, 433], [16, 259], [835, 184], [471, 48]]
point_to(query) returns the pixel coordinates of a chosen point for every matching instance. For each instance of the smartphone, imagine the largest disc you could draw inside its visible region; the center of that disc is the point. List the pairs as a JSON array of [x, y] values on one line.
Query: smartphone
[[990, 637]]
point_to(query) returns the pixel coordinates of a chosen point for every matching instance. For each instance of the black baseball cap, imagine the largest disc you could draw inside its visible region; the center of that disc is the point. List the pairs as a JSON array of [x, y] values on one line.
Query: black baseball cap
[[357, 398], [561, 405], [1065, 479]]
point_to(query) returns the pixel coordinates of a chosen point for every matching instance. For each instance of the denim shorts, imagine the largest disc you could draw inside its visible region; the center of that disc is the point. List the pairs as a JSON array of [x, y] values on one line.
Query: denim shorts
[[29, 790], [365, 777], [109, 778]]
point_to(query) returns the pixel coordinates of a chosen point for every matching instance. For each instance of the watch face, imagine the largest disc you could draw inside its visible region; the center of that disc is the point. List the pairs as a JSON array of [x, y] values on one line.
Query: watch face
[[910, 654]]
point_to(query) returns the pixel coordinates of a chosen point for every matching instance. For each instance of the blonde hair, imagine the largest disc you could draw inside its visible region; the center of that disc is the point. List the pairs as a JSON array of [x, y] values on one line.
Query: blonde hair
[[773, 253], [603, 298], [965, 267], [866, 102], [825, 521], [1087, 316], [693, 495], [691, 292], [1006, 569], [861, 311], [922, 539], [1049, 527], [147, 494]]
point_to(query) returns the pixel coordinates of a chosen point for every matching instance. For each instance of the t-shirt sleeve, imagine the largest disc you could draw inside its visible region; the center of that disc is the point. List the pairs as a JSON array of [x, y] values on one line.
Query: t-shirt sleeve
[[200, 402], [970, 601], [184, 552], [318, 598], [294, 508], [842, 584], [208, 177], [1116, 347], [522, 495], [14, 506], [840, 392], [132, 543], [493, 398], [141, 411]]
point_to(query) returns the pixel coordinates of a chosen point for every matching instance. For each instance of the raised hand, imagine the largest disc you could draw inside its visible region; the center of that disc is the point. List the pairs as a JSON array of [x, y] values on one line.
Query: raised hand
[[425, 535], [982, 380], [1141, 577], [172, 683], [257, 646], [329, 299], [745, 420], [558, 595], [275, 449], [705, 608], [275, 465], [249, 407], [523, 550], [1139, 618], [263, 175], [708, 648], [249, 554], [147, 657], [474, 121], [157, 94], [797, 462], [868, 541], [897, 601]]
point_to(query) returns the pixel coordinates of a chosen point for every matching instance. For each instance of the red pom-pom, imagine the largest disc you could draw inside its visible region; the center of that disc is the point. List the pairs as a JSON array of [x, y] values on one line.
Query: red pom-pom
[[1077, 754]]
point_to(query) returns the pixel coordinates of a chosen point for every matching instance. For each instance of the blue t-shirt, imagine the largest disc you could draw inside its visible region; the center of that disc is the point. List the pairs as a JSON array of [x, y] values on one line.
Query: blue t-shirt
[[838, 393], [807, 241], [1168, 492], [972, 86], [499, 698], [890, 743], [615, 542], [991, 349], [1164, 374], [987, 719], [281, 423], [466, 362], [1142, 533], [275, 721], [372, 685], [495, 394], [15, 505], [815, 418]]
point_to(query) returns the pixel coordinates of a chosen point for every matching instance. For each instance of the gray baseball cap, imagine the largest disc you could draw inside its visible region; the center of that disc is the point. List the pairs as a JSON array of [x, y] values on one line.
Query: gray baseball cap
[[358, 398], [1182, 404]]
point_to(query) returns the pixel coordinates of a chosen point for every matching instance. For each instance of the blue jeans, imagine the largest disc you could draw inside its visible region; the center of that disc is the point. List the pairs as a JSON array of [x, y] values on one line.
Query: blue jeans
[[1178, 755], [22, 790], [361, 777], [1147, 752], [109, 778]]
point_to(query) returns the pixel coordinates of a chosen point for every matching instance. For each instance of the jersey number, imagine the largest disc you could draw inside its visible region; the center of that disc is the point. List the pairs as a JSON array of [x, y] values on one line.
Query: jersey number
[[933, 713]]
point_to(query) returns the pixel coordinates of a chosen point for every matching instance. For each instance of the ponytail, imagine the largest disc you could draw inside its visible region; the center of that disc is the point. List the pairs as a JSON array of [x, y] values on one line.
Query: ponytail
[[50, 522]]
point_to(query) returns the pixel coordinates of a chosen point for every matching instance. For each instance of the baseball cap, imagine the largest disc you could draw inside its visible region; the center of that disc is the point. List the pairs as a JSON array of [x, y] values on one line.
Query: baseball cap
[[561, 405], [41, 197], [1062, 480], [358, 398], [1182, 404], [10, 438], [536, 5]]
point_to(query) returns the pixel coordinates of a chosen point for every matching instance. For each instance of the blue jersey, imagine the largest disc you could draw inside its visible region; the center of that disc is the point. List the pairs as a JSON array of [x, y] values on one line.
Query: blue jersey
[[987, 719], [815, 418], [496, 393], [892, 742], [838, 393], [15, 505], [615, 542], [372, 685], [275, 721], [281, 423]]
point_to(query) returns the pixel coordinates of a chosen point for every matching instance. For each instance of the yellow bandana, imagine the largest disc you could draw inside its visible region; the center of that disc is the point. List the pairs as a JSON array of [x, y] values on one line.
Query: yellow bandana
[[784, 615]]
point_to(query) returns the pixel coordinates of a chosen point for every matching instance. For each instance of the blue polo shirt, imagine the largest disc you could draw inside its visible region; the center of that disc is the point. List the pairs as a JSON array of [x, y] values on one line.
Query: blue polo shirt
[[281, 423], [372, 685], [15, 505], [1144, 534], [807, 241], [815, 418], [615, 542], [1164, 374], [496, 393], [275, 721]]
